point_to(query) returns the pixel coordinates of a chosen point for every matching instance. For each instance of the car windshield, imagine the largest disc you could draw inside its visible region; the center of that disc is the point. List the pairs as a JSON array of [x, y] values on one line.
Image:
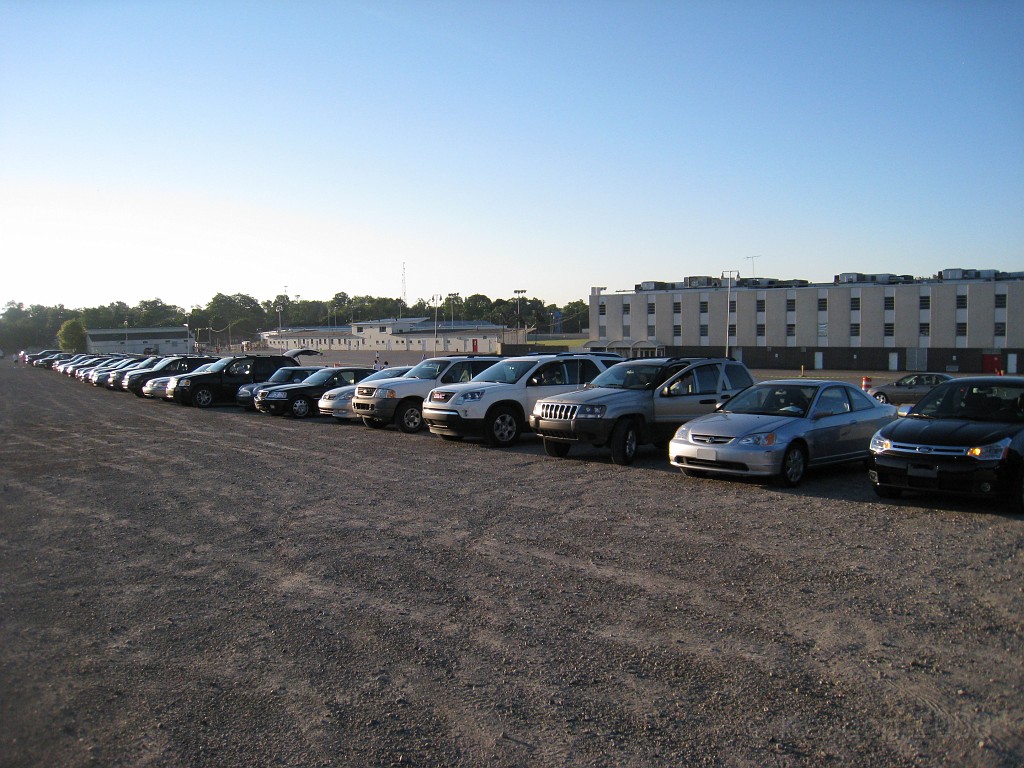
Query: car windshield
[[319, 377], [387, 373], [221, 364], [428, 369], [165, 362], [773, 400], [973, 401], [506, 371], [628, 376]]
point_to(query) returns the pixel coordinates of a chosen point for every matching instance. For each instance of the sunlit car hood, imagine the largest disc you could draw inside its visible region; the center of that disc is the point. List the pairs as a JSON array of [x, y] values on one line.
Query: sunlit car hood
[[737, 424], [599, 395], [948, 431]]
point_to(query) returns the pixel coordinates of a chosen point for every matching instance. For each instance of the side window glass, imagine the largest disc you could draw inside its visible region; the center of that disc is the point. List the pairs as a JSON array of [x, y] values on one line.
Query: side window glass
[[346, 377], [478, 366], [584, 372], [684, 385], [551, 374], [860, 401], [240, 368], [738, 376], [707, 379], [832, 402]]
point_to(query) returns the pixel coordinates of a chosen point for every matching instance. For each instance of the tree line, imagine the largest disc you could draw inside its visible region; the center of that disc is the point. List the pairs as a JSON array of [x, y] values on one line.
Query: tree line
[[236, 317]]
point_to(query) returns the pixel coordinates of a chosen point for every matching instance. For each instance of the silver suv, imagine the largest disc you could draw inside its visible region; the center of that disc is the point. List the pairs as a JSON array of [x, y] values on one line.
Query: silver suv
[[495, 404], [400, 400], [635, 402]]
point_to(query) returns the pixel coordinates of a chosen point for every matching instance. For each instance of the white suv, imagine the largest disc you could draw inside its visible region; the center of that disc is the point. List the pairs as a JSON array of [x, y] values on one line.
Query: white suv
[[496, 403], [399, 400]]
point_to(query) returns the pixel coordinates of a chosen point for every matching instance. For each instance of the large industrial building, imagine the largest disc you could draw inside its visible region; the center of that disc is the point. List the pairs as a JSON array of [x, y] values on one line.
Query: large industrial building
[[960, 320]]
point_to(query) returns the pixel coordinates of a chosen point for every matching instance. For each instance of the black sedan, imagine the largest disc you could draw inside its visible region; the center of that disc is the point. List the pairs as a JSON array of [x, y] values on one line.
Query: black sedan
[[965, 437], [300, 400]]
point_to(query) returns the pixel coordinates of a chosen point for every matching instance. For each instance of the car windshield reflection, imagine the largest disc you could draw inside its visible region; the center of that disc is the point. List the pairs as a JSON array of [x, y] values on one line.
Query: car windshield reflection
[[773, 400]]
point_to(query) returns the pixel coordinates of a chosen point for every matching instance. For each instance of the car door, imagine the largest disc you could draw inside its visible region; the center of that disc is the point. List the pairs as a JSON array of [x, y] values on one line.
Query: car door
[[693, 392], [833, 432]]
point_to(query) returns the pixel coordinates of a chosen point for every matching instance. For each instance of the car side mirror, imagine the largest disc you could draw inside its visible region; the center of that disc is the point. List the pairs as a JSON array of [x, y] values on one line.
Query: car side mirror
[[903, 410]]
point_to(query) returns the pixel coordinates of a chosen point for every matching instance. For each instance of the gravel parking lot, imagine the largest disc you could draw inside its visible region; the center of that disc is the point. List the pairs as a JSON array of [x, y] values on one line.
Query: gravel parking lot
[[221, 588]]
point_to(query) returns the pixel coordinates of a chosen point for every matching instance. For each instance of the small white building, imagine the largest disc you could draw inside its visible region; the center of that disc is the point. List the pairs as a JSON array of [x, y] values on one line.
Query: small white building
[[408, 334], [170, 340]]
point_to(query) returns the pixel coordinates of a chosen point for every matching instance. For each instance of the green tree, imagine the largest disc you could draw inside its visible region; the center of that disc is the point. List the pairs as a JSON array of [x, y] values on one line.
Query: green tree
[[72, 336]]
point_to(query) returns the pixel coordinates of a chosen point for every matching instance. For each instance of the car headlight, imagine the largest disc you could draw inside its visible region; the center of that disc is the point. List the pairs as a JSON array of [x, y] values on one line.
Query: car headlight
[[590, 412], [185, 383], [760, 439], [880, 444], [277, 396], [990, 452], [327, 396], [473, 396], [385, 393], [346, 397]]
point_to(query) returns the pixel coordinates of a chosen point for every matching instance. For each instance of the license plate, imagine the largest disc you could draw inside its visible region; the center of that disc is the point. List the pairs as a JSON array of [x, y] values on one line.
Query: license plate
[[707, 454], [920, 470]]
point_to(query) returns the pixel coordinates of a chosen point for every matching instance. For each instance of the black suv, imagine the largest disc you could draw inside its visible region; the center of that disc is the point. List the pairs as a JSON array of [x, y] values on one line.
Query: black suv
[[222, 379], [134, 381]]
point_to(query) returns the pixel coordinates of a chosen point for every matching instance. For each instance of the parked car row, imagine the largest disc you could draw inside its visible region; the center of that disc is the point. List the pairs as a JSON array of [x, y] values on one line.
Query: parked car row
[[964, 436]]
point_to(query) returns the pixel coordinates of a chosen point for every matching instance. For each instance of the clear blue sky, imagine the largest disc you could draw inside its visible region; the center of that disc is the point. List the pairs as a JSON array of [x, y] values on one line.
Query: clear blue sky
[[175, 150]]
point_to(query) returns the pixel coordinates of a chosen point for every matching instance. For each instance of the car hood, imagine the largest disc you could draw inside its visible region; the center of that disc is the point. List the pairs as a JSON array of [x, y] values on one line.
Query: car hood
[[600, 395], [737, 424], [339, 391], [472, 386], [948, 431], [288, 387]]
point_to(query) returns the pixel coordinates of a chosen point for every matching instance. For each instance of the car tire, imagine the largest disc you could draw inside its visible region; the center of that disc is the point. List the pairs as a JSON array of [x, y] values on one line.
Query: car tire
[[301, 407], [794, 466], [556, 449], [502, 428], [409, 417], [623, 442], [887, 491], [202, 397], [881, 397]]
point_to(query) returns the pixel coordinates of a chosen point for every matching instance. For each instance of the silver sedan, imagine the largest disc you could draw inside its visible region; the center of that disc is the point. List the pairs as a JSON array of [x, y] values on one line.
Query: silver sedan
[[777, 429], [909, 389]]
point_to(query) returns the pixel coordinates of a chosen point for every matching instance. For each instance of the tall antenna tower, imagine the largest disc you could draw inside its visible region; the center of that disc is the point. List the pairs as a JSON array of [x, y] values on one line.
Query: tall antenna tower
[[405, 300]]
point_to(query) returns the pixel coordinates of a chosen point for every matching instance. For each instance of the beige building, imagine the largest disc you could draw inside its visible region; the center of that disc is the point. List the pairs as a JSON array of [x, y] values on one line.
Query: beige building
[[959, 320]]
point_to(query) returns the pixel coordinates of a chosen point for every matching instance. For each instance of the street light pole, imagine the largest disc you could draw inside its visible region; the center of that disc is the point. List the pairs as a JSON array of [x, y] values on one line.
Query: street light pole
[[519, 317]]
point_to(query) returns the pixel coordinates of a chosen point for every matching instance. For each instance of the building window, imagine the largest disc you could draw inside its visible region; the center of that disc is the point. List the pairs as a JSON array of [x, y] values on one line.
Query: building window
[[823, 305], [760, 329], [677, 330], [677, 307], [626, 330], [961, 329], [651, 332], [602, 332], [704, 331], [889, 329], [790, 330], [760, 305], [625, 307], [1001, 301], [1001, 329], [961, 301], [889, 302], [791, 305], [704, 307], [732, 330], [924, 329], [854, 329], [925, 302], [601, 308], [650, 307], [732, 305], [855, 303]]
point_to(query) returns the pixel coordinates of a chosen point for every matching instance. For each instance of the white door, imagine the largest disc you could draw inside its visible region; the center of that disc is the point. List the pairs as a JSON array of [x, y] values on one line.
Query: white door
[[894, 361], [819, 360]]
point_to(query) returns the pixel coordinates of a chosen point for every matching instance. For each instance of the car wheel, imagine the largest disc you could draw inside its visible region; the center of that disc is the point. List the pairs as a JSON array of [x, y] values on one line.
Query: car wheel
[[693, 472], [301, 407], [881, 397], [794, 466], [202, 397], [623, 442], [410, 419], [556, 449], [887, 492], [502, 428], [374, 423]]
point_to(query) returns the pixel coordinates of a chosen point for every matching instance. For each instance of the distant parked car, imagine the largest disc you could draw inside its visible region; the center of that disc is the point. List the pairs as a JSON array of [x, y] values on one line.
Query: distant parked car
[[965, 437], [300, 400], [337, 402], [909, 389], [157, 388], [134, 381], [245, 397], [221, 381], [777, 429]]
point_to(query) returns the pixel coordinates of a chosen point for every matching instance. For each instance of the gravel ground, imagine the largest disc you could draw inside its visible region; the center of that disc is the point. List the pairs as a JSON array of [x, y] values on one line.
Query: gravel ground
[[186, 587]]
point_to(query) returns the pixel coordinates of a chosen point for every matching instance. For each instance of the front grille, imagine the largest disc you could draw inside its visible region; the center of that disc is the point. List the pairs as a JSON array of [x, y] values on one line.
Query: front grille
[[558, 411], [440, 396], [735, 466], [365, 391], [942, 451], [710, 439]]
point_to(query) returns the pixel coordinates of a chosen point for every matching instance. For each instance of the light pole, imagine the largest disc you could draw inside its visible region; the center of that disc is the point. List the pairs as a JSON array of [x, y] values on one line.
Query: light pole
[[519, 318], [188, 346], [436, 298], [278, 308], [729, 274]]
